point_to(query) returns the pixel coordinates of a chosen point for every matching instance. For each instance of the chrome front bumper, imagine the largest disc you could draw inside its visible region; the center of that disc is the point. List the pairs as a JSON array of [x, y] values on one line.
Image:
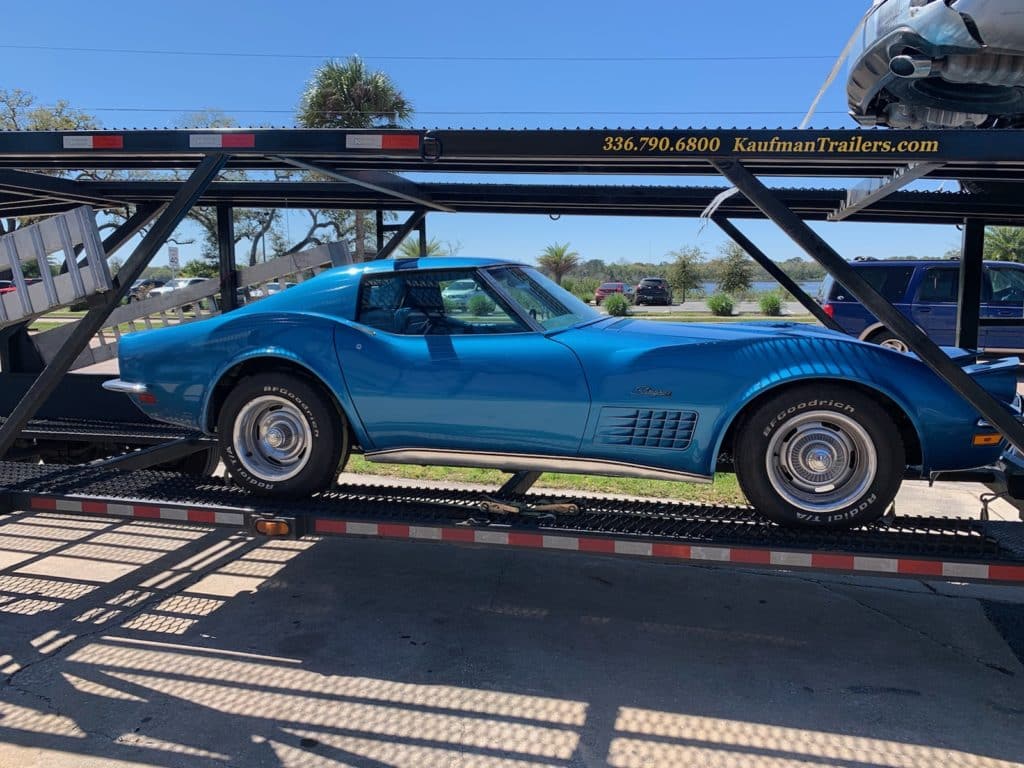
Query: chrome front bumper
[[127, 387]]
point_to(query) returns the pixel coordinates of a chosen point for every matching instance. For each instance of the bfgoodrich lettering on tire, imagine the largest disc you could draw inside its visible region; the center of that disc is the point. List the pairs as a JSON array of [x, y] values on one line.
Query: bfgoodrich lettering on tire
[[819, 455], [281, 435]]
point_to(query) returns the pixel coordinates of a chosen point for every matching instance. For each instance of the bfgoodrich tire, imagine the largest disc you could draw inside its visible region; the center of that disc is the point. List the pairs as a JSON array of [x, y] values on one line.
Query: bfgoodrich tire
[[825, 456], [281, 435]]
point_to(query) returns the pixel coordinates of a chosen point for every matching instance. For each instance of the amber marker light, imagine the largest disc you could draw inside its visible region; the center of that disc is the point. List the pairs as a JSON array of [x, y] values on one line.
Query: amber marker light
[[273, 527], [982, 440]]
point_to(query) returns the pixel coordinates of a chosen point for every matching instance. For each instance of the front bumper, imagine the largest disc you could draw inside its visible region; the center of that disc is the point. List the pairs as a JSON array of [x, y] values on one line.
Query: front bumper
[[126, 387]]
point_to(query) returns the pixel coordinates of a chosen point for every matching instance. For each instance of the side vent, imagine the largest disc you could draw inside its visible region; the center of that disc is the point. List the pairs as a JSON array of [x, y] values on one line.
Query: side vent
[[646, 428]]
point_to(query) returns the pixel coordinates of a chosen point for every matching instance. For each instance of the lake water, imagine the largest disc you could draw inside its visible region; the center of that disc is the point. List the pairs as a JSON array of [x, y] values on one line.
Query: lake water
[[761, 286]]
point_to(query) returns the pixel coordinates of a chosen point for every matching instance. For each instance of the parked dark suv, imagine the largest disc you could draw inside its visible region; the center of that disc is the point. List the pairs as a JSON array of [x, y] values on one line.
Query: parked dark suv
[[653, 290], [926, 292]]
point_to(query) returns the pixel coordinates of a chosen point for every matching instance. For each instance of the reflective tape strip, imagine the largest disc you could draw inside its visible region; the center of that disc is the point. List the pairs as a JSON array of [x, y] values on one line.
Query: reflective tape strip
[[791, 559], [876, 564], [490, 537], [523, 539], [221, 140], [106, 141], [718, 554], [639, 548], [570, 543], [965, 571], [424, 532], [362, 529], [382, 141]]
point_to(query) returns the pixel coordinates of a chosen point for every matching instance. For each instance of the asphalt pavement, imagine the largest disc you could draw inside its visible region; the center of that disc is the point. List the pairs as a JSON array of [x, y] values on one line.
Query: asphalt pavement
[[140, 643]]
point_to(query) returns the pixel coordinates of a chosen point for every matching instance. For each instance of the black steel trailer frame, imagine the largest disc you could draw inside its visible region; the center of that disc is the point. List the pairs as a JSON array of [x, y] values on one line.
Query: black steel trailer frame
[[359, 169]]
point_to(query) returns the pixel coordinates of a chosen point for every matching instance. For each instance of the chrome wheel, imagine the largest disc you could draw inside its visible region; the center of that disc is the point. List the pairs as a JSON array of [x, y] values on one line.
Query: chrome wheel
[[821, 462], [272, 438], [893, 343]]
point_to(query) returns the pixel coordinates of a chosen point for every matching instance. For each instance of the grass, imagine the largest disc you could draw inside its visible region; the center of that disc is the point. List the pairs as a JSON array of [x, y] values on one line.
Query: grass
[[707, 317], [725, 489]]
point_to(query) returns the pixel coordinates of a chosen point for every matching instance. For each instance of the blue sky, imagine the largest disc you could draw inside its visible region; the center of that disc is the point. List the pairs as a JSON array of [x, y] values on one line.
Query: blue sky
[[460, 63]]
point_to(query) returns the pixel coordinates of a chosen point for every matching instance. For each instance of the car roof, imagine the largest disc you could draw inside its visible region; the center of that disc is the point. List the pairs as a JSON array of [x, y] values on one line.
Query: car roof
[[920, 263]]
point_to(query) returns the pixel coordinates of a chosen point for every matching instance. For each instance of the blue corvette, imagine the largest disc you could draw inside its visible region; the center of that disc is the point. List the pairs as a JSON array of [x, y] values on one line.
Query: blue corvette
[[820, 427]]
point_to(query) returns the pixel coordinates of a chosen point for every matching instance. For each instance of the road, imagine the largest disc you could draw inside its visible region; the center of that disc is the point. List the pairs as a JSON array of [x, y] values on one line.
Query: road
[[145, 644]]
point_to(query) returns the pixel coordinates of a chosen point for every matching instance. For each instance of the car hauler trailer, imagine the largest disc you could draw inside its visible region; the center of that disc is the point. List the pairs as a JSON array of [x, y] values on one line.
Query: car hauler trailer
[[118, 465]]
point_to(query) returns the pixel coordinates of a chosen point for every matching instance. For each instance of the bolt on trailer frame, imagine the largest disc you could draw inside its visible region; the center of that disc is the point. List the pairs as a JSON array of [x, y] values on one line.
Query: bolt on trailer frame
[[359, 169]]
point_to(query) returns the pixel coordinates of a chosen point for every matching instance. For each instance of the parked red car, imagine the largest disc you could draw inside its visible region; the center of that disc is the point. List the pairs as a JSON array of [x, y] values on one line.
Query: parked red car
[[607, 289]]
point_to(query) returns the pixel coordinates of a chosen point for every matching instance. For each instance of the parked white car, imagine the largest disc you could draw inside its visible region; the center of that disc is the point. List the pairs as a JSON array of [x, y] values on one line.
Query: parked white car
[[175, 285]]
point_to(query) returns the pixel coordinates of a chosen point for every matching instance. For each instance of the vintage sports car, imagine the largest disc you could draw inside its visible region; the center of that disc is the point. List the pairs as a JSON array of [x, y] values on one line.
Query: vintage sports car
[[820, 427], [939, 64]]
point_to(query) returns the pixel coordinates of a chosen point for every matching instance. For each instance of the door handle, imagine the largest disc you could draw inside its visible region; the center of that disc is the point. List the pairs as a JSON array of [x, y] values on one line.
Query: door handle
[[924, 310]]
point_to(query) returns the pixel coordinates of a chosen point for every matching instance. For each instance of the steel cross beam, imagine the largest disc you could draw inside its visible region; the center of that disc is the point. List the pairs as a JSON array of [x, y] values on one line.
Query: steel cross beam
[[861, 197], [387, 183], [929, 353], [93, 320], [51, 188], [410, 224], [773, 269]]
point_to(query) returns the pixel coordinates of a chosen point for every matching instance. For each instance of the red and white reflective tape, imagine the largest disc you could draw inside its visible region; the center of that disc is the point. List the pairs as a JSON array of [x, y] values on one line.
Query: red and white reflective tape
[[103, 141], [382, 141], [900, 566], [138, 511], [221, 140]]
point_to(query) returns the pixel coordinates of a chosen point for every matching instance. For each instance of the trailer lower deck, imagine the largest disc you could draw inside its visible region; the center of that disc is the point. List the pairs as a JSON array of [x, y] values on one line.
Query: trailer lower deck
[[956, 549]]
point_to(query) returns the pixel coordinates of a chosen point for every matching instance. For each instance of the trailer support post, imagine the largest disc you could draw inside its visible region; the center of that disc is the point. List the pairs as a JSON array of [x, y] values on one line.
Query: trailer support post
[[104, 304], [226, 258], [968, 307], [402, 232], [929, 353]]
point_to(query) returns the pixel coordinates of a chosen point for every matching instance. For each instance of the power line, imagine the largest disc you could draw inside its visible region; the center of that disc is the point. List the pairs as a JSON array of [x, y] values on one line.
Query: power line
[[445, 59]]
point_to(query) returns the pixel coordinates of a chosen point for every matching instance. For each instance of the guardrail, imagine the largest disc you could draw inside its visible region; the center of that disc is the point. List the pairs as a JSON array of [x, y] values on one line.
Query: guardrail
[[195, 302]]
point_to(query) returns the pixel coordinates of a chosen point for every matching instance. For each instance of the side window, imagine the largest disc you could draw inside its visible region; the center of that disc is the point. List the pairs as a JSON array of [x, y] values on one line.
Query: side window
[[940, 284], [433, 303], [1007, 285], [891, 282]]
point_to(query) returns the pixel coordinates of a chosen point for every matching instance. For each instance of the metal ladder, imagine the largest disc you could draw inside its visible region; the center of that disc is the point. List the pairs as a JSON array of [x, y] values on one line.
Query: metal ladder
[[60, 234]]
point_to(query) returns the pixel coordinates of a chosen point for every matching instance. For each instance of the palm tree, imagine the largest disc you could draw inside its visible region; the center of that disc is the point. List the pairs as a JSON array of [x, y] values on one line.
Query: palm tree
[[1004, 244], [558, 261], [410, 248], [345, 94]]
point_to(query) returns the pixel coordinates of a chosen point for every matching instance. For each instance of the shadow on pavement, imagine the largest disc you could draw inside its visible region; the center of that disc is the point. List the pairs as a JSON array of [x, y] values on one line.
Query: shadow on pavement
[[145, 643]]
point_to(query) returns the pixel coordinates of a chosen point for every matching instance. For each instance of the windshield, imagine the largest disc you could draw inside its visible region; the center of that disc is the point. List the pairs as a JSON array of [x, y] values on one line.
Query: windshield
[[549, 304]]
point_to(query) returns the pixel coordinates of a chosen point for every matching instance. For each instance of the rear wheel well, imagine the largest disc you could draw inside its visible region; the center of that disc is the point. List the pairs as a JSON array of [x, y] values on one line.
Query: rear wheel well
[[911, 440], [257, 365]]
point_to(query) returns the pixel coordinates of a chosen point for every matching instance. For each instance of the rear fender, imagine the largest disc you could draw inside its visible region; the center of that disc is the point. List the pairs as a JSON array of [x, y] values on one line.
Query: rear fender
[[327, 374]]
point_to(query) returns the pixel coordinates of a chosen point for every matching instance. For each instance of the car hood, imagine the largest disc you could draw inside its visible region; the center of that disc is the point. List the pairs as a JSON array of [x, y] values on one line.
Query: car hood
[[657, 333]]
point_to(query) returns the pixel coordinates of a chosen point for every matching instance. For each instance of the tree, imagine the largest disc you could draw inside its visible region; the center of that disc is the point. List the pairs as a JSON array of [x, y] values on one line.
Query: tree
[[19, 112], [345, 94], [683, 272], [410, 248], [558, 261], [735, 275], [1004, 244], [197, 268]]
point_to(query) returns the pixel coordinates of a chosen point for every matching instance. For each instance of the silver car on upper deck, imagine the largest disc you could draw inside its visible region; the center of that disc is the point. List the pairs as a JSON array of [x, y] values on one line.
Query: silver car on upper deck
[[939, 64]]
